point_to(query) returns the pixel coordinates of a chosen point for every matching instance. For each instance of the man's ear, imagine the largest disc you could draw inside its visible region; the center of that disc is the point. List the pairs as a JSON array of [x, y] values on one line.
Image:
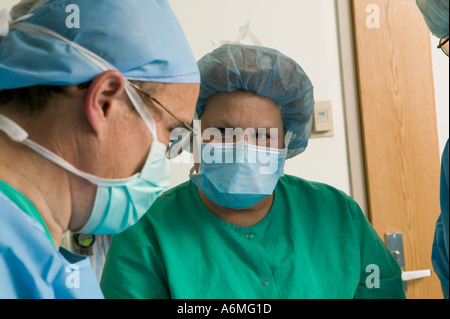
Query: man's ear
[[105, 90]]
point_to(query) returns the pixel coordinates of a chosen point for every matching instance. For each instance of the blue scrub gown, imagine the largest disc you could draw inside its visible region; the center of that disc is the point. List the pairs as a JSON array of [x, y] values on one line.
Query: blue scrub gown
[[30, 264]]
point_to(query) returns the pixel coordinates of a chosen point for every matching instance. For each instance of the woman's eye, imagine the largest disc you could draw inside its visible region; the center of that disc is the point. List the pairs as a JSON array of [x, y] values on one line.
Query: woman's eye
[[262, 136]]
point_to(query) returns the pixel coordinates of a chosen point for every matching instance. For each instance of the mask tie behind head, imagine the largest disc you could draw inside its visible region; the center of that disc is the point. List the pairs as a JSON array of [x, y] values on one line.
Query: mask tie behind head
[[18, 134], [5, 21]]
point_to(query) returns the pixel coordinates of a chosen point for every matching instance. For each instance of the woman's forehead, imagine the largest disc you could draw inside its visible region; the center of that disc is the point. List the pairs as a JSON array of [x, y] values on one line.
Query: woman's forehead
[[240, 108]]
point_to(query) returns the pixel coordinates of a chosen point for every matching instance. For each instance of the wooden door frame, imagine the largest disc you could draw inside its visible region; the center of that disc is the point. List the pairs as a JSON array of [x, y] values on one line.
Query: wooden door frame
[[355, 149]]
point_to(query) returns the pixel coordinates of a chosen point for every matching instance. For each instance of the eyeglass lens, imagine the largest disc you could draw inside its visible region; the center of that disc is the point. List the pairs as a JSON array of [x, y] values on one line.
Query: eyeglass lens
[[443, 45]]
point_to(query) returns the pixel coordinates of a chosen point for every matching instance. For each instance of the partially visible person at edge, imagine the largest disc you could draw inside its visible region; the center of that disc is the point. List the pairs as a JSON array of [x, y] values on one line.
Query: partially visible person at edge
[[436, 15]]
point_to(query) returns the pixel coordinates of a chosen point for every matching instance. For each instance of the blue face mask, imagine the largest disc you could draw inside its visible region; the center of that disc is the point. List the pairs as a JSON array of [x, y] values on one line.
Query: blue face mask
[[119, 204], [238, 175]]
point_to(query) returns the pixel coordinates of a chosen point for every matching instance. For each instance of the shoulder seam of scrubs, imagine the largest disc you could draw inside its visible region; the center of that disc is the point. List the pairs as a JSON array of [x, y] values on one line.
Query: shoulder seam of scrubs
[[25, 205]]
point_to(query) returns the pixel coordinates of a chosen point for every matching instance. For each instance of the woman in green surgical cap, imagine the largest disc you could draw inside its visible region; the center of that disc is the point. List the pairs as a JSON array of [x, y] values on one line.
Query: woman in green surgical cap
[[240, 228]]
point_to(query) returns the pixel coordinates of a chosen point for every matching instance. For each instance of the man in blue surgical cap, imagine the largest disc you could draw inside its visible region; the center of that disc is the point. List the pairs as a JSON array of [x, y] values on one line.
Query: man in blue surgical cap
[[85, 118], [436, 15]]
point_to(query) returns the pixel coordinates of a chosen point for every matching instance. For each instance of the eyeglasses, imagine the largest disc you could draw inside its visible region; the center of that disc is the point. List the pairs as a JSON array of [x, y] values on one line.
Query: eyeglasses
[[176, 146], [442, 42]]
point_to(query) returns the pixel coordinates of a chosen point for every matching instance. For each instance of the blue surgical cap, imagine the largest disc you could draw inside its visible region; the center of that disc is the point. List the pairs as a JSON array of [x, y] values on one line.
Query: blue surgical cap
[[268, 73], [140, 38], [436, 15]]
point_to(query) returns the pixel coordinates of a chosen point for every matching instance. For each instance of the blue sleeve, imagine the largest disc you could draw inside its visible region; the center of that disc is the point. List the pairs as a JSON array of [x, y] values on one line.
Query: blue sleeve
[[440, 253], [22, 240]]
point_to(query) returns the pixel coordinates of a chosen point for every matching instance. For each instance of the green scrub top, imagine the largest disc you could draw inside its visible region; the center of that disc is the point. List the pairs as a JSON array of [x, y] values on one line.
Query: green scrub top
[[314, 243]]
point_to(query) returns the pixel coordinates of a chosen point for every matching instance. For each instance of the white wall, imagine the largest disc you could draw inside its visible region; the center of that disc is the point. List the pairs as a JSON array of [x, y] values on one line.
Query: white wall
[[306, 31], [7, 4]]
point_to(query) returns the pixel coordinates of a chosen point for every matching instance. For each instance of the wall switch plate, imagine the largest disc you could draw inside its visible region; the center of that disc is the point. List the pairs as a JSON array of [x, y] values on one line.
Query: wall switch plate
[[323, 125]]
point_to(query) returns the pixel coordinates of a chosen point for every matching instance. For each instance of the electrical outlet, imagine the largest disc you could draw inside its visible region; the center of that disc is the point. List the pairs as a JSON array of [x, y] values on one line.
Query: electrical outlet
[[323, 125]]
